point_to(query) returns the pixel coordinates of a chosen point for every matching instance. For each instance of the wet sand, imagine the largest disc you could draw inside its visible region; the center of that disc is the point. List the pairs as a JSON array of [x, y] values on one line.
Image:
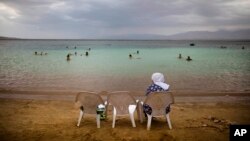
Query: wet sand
[[37, 116]]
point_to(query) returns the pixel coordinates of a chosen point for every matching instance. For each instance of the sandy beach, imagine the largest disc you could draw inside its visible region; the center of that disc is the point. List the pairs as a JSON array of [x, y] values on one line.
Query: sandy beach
[[38, 116]]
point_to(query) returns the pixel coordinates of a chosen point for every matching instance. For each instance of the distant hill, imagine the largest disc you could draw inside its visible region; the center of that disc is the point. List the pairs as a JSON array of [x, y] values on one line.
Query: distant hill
[[192, 35], [138, 37], [8, 38], [217, 35]]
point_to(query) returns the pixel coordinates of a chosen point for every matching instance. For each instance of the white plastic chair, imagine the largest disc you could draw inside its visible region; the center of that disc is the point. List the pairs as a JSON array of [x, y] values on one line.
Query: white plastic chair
[[88, 102], [158, 101], [123, 104]]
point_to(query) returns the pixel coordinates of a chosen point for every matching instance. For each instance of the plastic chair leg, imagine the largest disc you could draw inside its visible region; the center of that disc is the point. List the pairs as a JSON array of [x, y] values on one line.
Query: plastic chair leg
[[114, 116], [106, 109], [132, 119], [169, 122], [131, 110], [142, 117], [80, 118], [98, 120], [149, 121], [139, 111]]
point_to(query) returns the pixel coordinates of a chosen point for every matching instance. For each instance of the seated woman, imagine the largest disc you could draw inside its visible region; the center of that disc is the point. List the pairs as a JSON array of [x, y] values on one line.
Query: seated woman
[[157, 86]]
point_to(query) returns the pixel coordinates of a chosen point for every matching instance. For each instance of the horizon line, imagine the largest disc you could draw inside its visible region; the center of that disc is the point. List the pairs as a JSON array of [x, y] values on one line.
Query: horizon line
[[103, 39]]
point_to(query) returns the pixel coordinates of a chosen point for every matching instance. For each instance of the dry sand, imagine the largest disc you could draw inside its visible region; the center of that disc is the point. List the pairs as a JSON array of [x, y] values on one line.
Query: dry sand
[[53, 120]]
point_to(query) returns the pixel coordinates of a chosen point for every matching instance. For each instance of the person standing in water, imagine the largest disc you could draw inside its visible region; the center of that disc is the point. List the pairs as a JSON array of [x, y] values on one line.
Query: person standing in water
[[68, 57], [189, 59], [180, 56]]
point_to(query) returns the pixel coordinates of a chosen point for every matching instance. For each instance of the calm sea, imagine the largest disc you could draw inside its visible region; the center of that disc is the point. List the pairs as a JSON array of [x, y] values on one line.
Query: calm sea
[[108, 66]]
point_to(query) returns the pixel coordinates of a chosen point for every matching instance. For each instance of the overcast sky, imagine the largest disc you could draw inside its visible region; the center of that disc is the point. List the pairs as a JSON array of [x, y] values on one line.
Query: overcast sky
[[105, 18]]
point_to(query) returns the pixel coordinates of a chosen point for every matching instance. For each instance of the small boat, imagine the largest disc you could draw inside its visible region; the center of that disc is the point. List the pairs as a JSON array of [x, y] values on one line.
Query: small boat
[[192, 44]]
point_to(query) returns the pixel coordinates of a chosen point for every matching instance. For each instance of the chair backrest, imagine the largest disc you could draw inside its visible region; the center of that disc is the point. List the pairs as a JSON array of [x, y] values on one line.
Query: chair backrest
[[158, 101], [89, 101], [121, 101]]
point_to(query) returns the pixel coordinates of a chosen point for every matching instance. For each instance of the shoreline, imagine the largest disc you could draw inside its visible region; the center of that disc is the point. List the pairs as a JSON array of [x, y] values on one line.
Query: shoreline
[[187, 97], [137, 93]]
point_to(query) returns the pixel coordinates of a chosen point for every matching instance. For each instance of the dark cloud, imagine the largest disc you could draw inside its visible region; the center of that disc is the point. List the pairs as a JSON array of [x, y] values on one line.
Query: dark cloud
[[100, 18]]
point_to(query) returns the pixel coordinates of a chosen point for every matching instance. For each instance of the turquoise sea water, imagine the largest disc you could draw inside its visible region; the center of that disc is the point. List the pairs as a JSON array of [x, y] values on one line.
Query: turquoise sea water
[[108, 66]]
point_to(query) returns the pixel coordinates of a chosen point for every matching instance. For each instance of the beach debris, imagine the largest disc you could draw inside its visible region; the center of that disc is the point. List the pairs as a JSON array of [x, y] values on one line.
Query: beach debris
[[212, 118], [216, 121], [227, 122], [199, 123], [204, 125]]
